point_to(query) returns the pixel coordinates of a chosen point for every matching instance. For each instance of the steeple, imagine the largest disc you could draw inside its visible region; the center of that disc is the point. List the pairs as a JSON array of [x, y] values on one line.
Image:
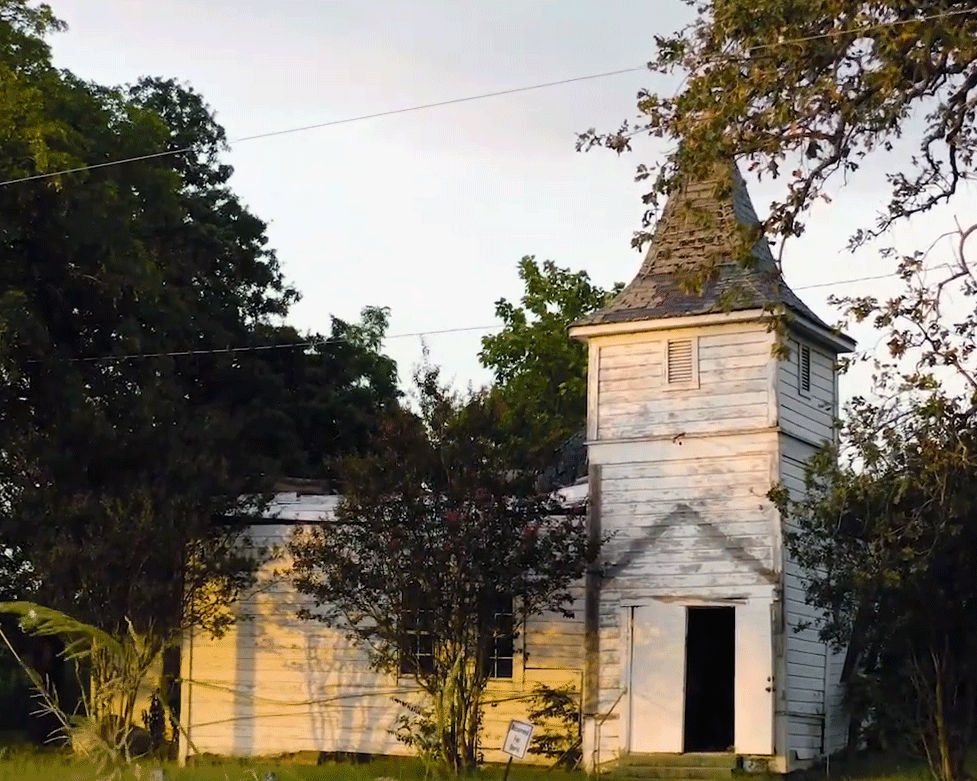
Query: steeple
[[701, 227]]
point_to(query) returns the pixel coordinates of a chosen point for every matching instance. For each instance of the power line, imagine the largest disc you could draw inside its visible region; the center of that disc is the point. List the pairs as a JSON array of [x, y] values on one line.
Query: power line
[[407, 335], [266, 347], [482, 96], [330, 123], [890, 275]]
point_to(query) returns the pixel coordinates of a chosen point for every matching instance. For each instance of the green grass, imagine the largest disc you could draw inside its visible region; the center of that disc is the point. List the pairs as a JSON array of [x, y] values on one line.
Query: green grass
[[40, 765], [876, 767], [24, 763]]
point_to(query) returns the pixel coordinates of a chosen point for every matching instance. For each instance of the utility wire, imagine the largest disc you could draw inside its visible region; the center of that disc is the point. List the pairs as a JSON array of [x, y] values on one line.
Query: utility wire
[[330, 123], [407, 335], [265, 347], [483, 96]]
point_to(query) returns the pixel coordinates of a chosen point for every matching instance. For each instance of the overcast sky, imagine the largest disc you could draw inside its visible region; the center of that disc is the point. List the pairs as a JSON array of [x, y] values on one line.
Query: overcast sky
[[429, 212]]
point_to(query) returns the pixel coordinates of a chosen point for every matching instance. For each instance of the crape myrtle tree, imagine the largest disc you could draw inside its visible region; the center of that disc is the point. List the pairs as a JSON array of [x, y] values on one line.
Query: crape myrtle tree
[[440, 548], [805, 94]]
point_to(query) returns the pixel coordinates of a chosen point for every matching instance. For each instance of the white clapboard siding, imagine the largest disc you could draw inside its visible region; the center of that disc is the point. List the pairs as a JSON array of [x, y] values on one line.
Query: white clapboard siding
[[611, 680], [816, 720], [682, 526], [552, 641], [730, 389], [277, 684], [687, 512], [807, 415]]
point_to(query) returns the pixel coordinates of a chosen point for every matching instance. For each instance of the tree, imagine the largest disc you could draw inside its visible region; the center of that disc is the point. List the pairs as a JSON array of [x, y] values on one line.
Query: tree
[[891, 533], [26, 132], [811, 91], [321, 400], [438, 551], [887, 526], [540, 373], [127, 418]]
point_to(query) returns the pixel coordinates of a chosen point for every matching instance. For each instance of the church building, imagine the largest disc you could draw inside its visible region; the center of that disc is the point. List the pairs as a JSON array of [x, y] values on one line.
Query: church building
[[683, 648]]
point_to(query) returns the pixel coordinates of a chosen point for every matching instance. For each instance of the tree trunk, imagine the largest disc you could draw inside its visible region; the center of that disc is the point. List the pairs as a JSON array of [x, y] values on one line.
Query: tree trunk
[[950, 715]]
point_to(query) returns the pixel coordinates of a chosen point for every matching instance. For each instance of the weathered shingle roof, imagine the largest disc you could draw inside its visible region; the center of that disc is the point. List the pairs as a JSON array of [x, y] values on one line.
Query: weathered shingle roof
[[700, 226]]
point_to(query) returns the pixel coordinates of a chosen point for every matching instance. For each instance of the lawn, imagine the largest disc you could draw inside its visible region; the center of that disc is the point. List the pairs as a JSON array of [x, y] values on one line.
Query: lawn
[[24, 764], [28, 765]]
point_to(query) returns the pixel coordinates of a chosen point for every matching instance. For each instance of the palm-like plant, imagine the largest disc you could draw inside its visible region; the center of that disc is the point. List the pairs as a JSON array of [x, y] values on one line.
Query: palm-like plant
[[103, 733]]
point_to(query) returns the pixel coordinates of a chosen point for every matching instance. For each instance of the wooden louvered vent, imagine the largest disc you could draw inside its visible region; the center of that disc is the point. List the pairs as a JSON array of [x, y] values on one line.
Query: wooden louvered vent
[[804, 369], [680, 362]]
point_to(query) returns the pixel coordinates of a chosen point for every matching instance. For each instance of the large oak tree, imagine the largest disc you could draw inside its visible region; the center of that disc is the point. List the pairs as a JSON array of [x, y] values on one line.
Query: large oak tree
[[131, 418]]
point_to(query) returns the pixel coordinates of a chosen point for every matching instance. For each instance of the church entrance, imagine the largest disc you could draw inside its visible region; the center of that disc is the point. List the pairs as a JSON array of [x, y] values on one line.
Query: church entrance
[[683, 667], [710, 669]]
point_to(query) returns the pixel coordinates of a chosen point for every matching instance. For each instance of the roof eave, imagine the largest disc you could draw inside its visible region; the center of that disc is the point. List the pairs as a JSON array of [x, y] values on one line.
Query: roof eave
[[587, 331], [836, 340]]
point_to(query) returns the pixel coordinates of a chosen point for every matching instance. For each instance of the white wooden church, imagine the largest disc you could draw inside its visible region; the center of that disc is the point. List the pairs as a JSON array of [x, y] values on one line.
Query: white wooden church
[[685, 642]]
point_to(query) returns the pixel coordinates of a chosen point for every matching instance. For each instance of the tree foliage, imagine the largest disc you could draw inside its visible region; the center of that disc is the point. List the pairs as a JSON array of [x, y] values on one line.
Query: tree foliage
[[808, 92], [891, 533], [434, 528], [325, 398], [130, 414], [888, 526], [540, 373]]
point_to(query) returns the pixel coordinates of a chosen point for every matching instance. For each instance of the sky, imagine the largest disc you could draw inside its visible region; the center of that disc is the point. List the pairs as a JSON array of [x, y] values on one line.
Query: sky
[[428, 212]]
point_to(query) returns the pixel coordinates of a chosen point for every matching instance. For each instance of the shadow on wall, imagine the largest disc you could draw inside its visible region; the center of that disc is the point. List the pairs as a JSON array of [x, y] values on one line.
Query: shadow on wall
[[684, 515], [296, 684]]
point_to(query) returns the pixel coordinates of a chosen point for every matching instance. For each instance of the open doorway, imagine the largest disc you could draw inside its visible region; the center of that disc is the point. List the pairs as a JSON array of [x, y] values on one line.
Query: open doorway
[[710, 655]]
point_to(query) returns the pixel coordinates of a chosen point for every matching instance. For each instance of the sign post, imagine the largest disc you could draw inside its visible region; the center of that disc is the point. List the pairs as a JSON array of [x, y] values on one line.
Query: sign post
[[516, 742]]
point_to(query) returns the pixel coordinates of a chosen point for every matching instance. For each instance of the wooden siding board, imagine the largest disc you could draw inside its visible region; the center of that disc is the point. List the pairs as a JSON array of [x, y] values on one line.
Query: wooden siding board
[[812, 708], [808, 416], [276, 683], [633, 399]]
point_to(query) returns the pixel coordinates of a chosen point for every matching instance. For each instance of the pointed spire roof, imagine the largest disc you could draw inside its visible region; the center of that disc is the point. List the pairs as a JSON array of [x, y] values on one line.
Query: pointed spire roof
[[701, 227]]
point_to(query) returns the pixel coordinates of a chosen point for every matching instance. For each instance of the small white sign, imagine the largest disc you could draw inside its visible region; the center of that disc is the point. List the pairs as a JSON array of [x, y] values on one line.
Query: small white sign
[[517, 738]]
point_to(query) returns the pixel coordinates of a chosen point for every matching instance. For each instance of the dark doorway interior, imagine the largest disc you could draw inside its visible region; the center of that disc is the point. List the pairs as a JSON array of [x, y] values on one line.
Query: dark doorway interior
[[710, 653]]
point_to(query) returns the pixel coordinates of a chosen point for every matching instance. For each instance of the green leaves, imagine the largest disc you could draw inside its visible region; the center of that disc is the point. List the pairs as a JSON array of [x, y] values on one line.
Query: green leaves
[[131, 428], [81, 640], [819, 87], [436, 507], [540, 373], [888, 537]]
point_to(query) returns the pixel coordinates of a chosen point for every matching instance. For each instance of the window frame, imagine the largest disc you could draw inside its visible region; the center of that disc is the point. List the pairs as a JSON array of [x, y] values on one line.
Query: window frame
[[412, 634], [502, 646]]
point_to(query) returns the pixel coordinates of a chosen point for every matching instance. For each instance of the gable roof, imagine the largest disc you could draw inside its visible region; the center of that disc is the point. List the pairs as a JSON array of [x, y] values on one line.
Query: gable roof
[[699, 227]]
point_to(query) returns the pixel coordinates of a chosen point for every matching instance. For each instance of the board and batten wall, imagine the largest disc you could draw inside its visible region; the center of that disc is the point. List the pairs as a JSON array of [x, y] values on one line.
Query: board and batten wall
[[684, 469], [813, 671], [276, 683]]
